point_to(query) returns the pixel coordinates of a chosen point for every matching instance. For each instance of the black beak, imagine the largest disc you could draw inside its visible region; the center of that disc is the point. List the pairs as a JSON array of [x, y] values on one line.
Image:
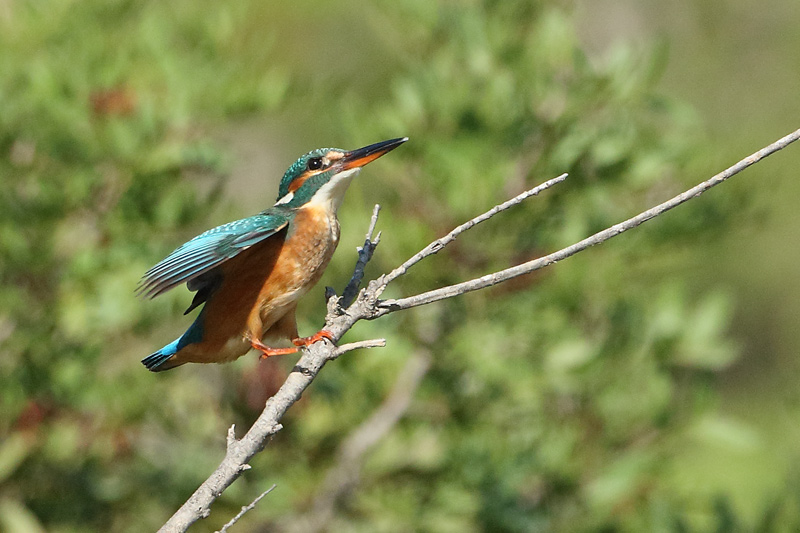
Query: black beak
[[362, 156]]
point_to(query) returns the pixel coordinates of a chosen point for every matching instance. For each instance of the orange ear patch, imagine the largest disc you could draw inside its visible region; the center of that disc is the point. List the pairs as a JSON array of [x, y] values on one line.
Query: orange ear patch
[[299, 181]]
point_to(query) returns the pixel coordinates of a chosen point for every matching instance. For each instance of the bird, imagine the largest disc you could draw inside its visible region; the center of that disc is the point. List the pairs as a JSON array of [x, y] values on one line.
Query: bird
[[249, 274]]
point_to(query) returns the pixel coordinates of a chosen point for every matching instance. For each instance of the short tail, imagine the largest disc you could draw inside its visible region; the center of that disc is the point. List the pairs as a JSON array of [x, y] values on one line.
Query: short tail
[[164, 359], [160, 360]]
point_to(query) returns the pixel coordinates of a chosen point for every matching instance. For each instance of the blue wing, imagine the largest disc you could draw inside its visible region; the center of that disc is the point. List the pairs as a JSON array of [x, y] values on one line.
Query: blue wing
[[194, 261]]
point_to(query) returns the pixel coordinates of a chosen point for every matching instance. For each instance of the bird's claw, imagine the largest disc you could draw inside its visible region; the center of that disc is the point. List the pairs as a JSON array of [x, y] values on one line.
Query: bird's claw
[[318, 336], [267, 351]]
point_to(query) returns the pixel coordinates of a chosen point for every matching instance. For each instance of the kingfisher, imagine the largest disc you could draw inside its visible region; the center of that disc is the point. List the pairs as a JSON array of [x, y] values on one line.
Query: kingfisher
[[249, 274]]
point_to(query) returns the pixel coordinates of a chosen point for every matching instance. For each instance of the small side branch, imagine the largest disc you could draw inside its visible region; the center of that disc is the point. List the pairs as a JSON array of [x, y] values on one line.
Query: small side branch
[[245, 509], [344, 348], [364, 255]]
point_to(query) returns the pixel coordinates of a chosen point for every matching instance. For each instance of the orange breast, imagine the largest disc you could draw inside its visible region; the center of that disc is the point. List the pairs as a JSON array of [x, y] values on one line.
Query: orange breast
[[310, 243]]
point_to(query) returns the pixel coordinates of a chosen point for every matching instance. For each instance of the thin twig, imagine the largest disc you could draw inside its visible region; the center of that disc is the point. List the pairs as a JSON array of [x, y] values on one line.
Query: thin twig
[[601, 236], [364, 255], [344, 348], [438, 244], [245, 509]]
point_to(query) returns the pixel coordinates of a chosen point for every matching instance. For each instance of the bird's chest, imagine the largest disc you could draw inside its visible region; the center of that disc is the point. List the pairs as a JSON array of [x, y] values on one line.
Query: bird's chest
[[310, 242]]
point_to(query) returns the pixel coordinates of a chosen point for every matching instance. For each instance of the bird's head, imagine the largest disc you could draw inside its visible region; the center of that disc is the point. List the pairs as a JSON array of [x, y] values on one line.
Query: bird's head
[[322, 175]]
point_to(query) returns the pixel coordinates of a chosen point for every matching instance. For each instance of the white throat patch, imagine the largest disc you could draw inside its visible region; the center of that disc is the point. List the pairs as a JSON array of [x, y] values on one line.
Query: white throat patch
[[330, 195]]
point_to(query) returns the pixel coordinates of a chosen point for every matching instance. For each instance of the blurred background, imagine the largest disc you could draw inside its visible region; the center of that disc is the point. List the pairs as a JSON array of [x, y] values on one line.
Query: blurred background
[[649, 384]]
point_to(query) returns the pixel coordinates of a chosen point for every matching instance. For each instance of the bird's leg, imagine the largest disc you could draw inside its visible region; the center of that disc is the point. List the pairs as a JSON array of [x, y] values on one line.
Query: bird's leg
[[318, 336], [267, 351]]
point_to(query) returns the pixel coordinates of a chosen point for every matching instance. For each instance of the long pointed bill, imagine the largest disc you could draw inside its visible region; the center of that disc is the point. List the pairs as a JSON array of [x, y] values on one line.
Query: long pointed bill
[[362, 156]]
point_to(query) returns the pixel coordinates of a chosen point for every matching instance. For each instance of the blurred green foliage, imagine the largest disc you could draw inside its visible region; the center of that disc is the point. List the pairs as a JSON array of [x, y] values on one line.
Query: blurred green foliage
[[561, 401]]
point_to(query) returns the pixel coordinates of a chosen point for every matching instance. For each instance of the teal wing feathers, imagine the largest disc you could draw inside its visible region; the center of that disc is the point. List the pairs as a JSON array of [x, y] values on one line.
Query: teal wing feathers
[[193, 262]]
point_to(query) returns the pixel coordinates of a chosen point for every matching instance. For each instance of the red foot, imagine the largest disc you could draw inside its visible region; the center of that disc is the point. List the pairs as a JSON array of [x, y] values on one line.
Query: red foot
[[318, 336], [266, 351]]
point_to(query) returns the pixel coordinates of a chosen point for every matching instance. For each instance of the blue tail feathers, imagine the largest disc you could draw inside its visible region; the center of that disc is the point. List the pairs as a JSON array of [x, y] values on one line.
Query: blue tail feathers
[[155, 360], [158, 361]]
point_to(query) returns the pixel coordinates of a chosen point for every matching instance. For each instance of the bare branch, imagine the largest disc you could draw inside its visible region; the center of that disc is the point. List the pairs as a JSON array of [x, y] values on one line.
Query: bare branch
[[438, 244], [245, 509], [366, 306], [601, 236]]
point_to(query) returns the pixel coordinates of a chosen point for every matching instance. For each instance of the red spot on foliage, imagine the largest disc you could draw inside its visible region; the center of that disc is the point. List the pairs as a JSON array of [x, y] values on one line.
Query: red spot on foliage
[[119, 101]]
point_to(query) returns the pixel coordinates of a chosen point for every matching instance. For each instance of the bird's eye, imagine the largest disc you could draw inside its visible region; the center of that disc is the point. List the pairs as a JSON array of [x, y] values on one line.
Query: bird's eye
[[315, 163]]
